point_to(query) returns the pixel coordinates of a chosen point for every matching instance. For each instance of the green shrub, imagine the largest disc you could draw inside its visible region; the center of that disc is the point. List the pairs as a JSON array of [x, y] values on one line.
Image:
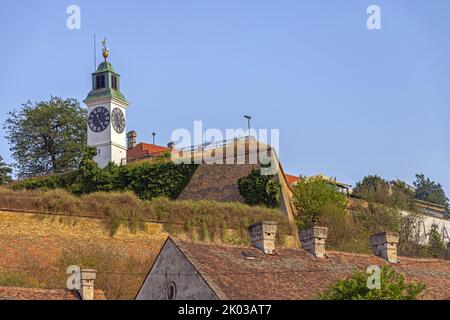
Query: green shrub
[[315, 198], [436, 246], [260, 190], [393, 287]]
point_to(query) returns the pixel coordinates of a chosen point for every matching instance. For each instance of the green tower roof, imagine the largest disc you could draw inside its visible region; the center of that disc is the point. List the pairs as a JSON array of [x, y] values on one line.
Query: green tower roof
[[107, 90], [105, 66]]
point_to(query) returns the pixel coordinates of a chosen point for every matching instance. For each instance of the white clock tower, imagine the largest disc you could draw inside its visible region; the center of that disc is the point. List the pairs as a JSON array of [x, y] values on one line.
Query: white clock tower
[[106, 115]]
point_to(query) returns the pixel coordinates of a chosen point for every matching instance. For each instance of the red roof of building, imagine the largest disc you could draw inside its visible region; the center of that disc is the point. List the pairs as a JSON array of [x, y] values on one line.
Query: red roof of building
[[15, 293], [296, 274], [145, 149], [291, 179]]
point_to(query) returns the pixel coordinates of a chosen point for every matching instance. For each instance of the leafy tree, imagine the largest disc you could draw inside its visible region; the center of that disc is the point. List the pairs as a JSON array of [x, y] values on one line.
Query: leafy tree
[[260, 189], [47, 136], [376, 189], [372, 188], [436, 246], [314, 198], [431, 191], [5, 172], [393, 287], [91, 177]]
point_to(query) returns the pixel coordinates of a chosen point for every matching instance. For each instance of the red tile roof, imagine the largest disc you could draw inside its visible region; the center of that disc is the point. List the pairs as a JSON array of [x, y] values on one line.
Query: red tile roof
[[295, 274], [145, 149], [14, 293], [291, 179]]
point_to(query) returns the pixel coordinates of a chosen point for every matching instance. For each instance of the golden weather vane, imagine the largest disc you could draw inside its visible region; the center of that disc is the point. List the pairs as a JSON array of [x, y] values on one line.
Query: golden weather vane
[[105, 49]]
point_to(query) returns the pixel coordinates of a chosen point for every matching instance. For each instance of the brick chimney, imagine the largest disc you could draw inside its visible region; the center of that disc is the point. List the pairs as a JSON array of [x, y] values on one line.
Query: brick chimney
[[313, 240], [263, 235], [131, 139], [87, 284], [385, 245]]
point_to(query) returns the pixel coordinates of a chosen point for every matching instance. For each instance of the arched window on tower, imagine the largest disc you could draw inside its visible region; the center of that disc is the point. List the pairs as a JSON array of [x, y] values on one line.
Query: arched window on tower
[[100, 82], [114, 82]]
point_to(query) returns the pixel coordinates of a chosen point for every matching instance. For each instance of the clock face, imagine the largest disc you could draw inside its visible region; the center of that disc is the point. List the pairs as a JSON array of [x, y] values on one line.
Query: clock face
[[118, 120], [99, 119]]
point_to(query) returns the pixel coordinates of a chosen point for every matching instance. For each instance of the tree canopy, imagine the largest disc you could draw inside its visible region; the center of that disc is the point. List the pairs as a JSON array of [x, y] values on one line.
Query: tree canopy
[[5, 172], [431, 191], [392, 287], [314, 198], [47, 136]]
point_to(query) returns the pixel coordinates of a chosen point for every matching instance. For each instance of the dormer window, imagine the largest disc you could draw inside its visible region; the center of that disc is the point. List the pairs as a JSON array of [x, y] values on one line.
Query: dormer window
[[114, 82], [100, 82]]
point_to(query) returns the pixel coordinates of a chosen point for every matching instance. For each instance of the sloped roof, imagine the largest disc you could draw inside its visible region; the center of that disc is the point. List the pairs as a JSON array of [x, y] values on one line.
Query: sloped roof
[[15, 293], [145, 149], [294, 274], [291, 179]]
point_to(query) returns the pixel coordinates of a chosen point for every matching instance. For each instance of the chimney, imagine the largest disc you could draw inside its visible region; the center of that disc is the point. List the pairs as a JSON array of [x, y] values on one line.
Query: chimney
[[263, 234], [313, 240], [385, 245], [131, 139], [87, 284]]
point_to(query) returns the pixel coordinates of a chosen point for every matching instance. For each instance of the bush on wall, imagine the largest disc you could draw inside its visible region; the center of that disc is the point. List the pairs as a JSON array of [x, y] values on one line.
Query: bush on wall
[[260, 190], [147, 179]]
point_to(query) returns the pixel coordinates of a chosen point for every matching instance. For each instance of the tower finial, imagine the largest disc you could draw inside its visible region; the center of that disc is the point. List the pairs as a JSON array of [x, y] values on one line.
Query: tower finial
[[105, 49]]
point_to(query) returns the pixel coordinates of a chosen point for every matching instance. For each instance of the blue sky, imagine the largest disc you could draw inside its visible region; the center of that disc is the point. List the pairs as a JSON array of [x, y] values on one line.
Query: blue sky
[[348, 101]]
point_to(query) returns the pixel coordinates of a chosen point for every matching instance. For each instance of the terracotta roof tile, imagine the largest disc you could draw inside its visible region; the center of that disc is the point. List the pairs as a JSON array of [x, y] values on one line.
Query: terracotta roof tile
[[145, 149], [295, 274], [291, 179]]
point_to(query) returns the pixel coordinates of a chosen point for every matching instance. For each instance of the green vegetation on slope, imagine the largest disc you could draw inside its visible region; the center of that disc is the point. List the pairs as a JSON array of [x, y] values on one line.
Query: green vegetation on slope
[[209, 219]]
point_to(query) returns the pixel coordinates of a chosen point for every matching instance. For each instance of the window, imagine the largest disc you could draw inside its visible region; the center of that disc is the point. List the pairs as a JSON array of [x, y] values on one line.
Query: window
[[114, 82], [171, 291], [100, 82]]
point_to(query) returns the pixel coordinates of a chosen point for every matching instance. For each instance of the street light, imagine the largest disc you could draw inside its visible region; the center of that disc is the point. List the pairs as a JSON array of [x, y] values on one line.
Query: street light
[[153, 134], [248, 119]]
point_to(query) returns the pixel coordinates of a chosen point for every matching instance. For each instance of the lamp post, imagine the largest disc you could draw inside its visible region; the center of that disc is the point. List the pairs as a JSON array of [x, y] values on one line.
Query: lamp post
[[248, 120], [153, 134]]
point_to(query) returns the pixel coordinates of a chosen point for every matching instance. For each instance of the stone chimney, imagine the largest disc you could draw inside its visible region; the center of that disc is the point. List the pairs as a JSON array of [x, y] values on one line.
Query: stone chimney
[[313, 240], [385, 245], [87, 283], [263, 235], [131, 139]]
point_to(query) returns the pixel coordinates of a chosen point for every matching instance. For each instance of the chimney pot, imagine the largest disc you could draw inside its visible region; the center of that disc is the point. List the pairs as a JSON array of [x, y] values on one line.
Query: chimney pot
[[313, 240], [385, 245], [131, 139], [263, 236], [88, 277]]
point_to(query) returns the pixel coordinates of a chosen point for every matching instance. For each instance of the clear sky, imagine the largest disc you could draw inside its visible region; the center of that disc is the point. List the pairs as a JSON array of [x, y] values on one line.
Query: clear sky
[[348, 101]]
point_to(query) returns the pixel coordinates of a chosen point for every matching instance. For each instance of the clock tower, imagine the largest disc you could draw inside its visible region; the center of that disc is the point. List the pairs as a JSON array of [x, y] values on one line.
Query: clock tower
[[106, 115]]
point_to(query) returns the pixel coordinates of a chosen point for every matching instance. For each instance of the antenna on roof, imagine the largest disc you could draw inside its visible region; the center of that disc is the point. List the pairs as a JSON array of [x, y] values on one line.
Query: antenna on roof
[[95, 52]]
